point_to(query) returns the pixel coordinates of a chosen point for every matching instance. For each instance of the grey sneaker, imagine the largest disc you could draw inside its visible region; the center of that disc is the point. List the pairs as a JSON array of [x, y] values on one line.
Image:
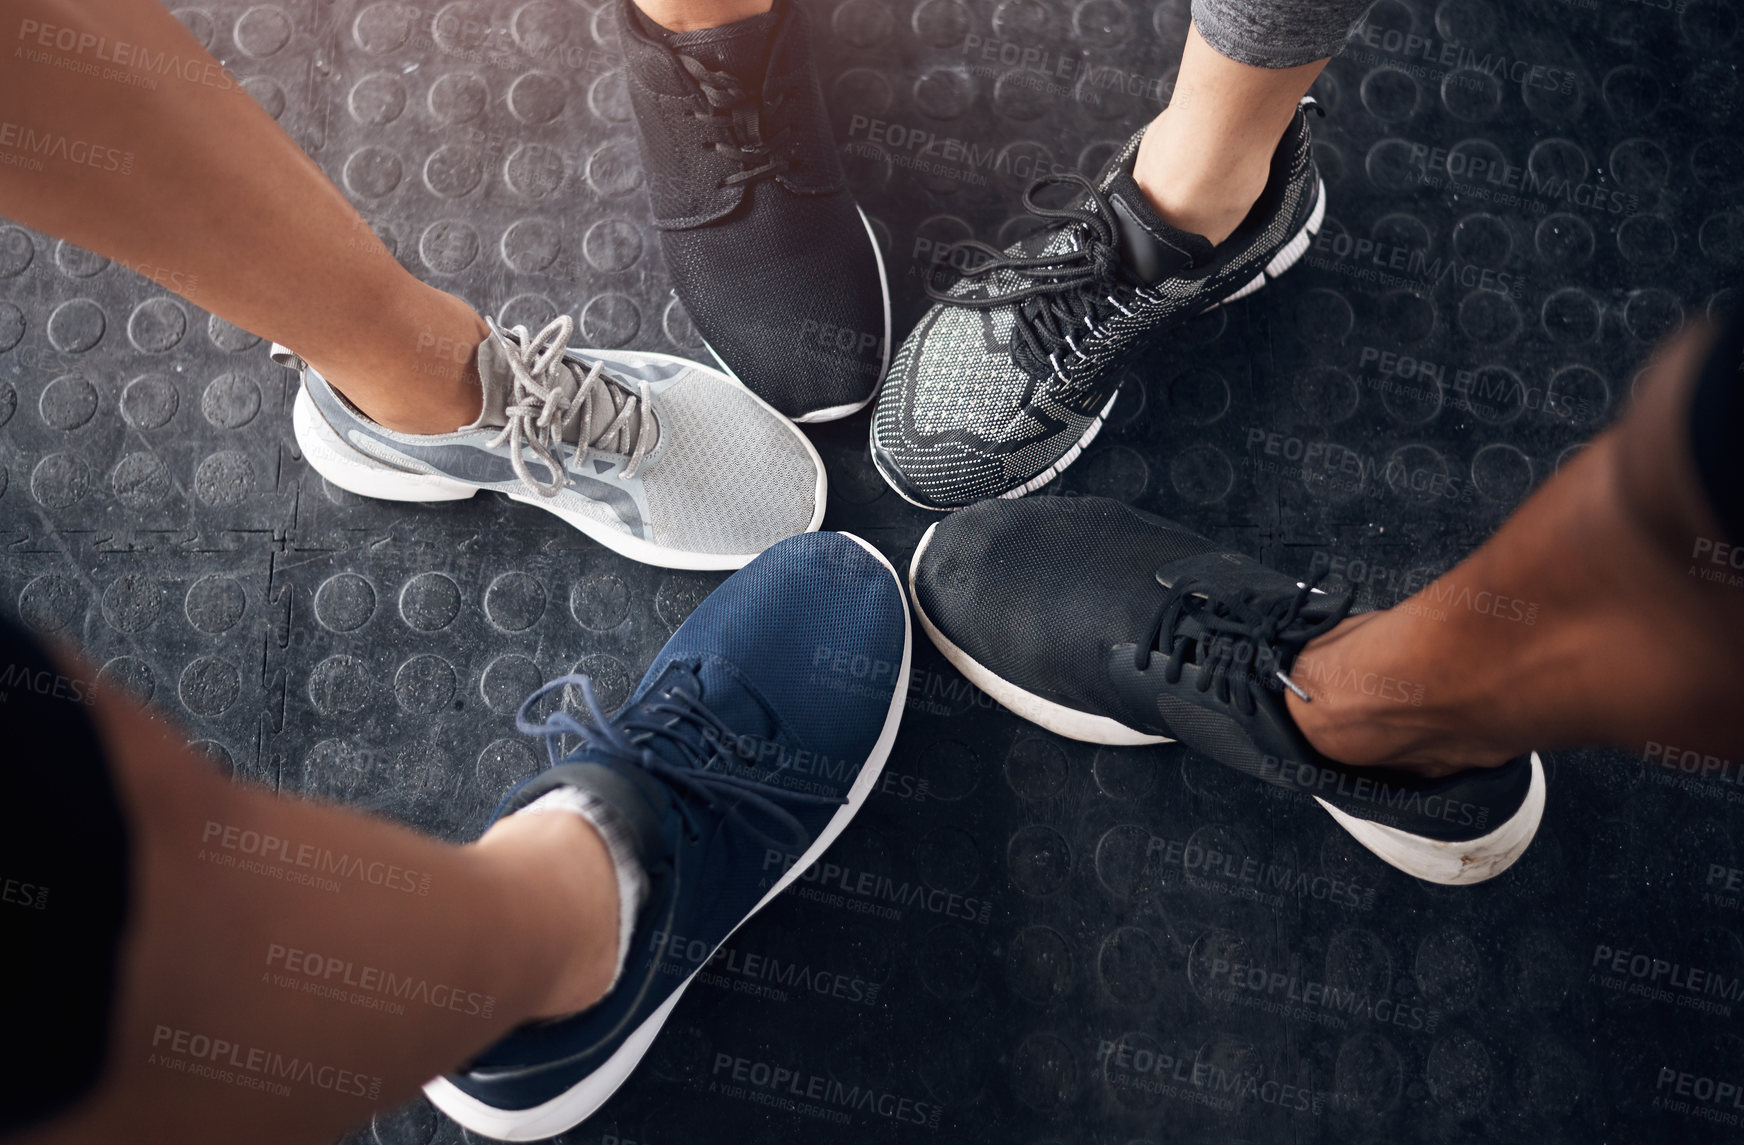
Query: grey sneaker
[[659, 458]]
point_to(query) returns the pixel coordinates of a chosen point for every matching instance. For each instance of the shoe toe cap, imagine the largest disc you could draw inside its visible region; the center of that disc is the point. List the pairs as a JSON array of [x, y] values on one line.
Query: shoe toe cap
[[818, 625], [731, 477]]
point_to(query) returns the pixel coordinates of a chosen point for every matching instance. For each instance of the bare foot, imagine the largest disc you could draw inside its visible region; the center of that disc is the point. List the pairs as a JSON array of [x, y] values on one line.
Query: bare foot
[[1584, 621]]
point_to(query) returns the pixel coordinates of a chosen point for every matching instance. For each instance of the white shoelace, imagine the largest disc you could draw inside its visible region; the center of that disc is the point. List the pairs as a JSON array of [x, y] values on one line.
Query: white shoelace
[[538, 411]]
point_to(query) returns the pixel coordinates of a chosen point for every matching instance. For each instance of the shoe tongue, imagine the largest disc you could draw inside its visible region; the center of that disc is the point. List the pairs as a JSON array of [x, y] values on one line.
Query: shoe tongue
[[498, 379], [737, 706], [1239, 580], [741, 49], [1150, 249], [725, 696]]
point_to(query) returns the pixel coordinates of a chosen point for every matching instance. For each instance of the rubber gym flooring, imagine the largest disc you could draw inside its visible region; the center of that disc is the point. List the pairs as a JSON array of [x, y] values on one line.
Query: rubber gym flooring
[[1022, 939]]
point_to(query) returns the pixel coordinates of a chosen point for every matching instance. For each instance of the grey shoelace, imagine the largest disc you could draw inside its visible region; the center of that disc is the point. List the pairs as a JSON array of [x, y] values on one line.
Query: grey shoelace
[[540, 409]]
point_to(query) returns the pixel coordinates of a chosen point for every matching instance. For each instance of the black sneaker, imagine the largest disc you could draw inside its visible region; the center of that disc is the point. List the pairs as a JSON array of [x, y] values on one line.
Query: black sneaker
[[777, 267], [1106, 624], [1010, 375]]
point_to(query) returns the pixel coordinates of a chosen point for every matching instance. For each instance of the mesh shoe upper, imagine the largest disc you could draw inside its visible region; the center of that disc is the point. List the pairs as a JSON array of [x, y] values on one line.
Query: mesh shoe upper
[[972, 411], [788, 673], [726, 475], [766, 248]]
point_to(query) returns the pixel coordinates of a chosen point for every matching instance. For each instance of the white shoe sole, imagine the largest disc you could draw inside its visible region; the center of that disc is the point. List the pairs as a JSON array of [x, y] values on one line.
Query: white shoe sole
[[335, 459], [1449, 863], [836, 413], [572, 1107], [1288, 254], [1455, 864]]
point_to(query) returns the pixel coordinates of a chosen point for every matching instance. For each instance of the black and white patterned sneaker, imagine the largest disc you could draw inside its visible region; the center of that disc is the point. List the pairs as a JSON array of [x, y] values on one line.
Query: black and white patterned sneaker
[[776, 265], [1106, 624], [1011, 373]]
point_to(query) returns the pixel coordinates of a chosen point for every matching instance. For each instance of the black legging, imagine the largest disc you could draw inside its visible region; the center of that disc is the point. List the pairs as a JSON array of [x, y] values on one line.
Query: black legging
[[1717, 434]]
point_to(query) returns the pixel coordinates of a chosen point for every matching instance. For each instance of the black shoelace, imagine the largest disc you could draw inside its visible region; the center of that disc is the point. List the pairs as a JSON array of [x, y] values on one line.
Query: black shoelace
[[1244, 641], [678, 718], [1068, 296], [743, 117]]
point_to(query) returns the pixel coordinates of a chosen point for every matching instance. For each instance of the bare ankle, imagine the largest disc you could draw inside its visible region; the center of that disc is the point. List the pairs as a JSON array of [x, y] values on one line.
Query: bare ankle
[[1370, 709], [417, 373], [577, 916], [694, 15], [1201, 194], [412, 397]]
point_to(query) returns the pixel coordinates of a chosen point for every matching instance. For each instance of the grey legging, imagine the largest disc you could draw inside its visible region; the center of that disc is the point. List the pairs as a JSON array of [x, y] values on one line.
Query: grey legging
[[1277, 33]]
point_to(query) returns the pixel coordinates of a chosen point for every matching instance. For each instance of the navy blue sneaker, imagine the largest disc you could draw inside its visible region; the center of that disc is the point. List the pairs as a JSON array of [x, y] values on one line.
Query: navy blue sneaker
[[761, 726]]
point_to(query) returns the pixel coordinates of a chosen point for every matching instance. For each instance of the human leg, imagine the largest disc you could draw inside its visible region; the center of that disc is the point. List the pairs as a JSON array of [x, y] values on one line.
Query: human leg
[[1608, 632], [194, 184], [694, 15], [1202, 206], [257, 1006], [1204, 160], [212, 199]]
